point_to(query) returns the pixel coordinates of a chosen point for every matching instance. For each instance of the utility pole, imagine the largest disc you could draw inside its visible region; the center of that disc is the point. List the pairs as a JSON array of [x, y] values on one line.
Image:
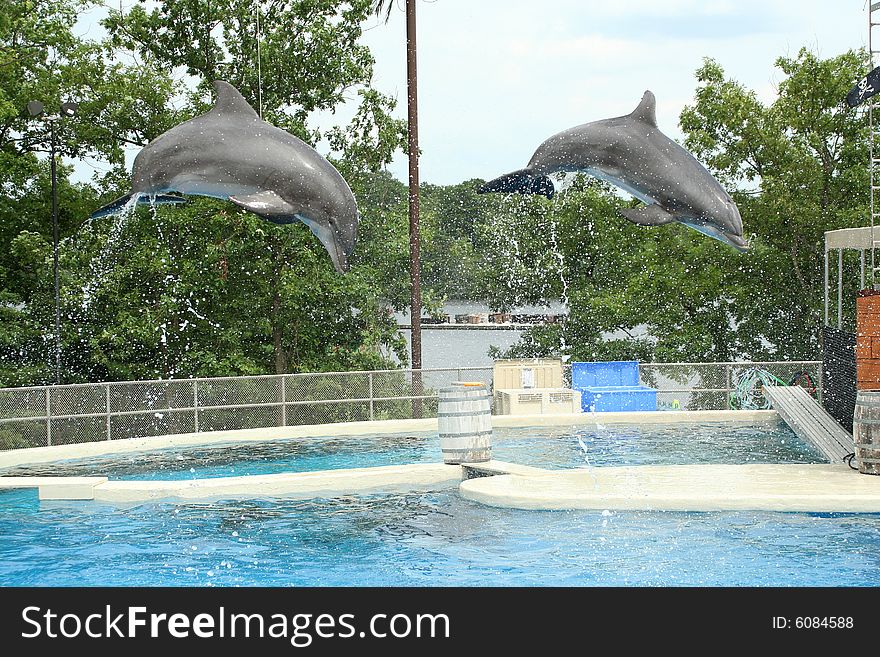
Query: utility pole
[[414, 232]]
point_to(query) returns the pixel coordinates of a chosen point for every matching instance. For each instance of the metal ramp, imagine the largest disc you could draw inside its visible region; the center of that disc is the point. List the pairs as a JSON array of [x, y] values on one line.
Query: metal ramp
[[810, 421]]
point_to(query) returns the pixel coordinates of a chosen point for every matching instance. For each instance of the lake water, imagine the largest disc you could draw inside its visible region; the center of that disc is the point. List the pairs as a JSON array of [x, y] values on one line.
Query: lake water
[[467, 348]]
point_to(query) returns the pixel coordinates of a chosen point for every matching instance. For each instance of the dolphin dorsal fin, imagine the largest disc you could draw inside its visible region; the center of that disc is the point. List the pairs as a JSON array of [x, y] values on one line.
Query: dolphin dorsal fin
[[230, 101], [646, 112]]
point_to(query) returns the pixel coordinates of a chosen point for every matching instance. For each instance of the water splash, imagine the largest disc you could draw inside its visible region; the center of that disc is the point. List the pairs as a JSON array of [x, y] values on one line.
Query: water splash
[[586, 451], [103, 263], [560, 258]]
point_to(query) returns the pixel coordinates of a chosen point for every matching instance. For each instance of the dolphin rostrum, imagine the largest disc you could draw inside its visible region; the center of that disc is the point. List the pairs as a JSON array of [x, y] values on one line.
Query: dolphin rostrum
[[231, 153], [632, 154]]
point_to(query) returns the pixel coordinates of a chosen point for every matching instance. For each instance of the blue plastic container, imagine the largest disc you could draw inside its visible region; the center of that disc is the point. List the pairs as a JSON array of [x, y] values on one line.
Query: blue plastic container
[[609, 373], [602, 399], [612, 386]]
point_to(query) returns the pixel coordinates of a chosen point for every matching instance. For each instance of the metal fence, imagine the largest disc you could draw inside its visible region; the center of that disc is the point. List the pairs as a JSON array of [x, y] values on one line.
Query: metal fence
[[78, 413]]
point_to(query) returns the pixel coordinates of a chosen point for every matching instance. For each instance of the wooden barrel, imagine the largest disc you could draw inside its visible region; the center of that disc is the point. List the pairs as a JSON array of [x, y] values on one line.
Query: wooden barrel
[[464, 418], [866, 431]]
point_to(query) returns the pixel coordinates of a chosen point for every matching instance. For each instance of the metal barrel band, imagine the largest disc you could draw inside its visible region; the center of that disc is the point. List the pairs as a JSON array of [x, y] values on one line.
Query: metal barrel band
[[464, 399], [868, 446], [867, 404], [870, 420], [467, 435], [867, 460], [486, 411], [466, 452]]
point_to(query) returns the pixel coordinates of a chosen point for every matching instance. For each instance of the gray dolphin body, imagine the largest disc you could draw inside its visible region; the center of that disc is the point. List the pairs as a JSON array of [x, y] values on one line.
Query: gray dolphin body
[[231, 153], [630, 152]]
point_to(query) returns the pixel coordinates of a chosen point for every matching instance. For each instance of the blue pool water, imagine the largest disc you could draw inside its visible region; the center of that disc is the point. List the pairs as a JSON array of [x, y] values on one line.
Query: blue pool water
[[435, 539], [546, 447], [438, 538]]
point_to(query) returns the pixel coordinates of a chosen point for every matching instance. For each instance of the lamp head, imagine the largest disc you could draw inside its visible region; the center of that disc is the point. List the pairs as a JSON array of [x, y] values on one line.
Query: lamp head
[[69, 108], [35, 108]]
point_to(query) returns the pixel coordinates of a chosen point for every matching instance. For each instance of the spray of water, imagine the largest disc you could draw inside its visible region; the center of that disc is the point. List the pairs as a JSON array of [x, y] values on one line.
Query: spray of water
[[560, 258], [102, 264], [585, 449]]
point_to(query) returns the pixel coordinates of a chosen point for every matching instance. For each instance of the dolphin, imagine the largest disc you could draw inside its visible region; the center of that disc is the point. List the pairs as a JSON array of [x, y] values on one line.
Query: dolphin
[[631, 153], [231, 153]]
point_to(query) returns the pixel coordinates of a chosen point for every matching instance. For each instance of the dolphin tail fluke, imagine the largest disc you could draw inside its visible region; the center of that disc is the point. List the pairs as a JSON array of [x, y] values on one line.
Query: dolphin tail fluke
[[524, 181], [143, 199]]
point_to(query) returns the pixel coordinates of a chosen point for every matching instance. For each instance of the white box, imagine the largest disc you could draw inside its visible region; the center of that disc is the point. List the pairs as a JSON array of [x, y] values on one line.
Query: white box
[[537, 401]]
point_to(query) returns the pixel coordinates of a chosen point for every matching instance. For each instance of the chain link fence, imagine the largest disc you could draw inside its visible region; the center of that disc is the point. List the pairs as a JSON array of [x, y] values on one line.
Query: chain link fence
[[79, 413]]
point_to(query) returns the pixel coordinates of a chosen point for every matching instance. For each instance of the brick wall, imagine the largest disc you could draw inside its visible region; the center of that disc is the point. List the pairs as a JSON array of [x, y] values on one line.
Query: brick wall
[[868, 340]]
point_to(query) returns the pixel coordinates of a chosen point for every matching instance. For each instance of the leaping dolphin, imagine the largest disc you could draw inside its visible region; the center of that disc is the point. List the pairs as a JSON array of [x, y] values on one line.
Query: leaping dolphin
[[231, 153], [630, 152]]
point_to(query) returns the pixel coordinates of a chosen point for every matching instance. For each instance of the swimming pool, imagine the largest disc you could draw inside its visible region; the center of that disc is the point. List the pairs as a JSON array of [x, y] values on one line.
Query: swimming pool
[[435, 538], [545, 447]]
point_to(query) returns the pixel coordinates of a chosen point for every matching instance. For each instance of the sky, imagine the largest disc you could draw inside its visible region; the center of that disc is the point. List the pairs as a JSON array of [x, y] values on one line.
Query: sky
[[497, 77]]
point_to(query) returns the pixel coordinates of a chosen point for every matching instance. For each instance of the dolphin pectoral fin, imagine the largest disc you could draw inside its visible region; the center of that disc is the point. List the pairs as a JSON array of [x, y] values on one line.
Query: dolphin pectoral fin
[[524, 181], [648, 215], [269, 205], [112, 207], [162, 199], [143, 199]]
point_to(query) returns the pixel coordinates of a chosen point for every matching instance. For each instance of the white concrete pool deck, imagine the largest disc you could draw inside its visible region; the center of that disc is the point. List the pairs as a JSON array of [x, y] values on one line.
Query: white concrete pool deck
[[56, 488], [416, 477], [777, 487], [760, 487]]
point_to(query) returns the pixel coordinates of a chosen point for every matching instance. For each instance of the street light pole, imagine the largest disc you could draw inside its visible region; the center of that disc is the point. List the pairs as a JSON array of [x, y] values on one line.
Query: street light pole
[[53, 166], [35, 108]]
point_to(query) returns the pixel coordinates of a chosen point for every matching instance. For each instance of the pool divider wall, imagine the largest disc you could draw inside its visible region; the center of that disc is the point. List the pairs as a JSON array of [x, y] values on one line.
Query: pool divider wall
[[757, 487], [807, 488], [56, 488], [416, 477]]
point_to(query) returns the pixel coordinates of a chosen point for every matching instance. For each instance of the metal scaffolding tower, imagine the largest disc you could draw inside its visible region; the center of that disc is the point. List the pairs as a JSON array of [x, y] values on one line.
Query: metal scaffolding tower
[[874, 142]]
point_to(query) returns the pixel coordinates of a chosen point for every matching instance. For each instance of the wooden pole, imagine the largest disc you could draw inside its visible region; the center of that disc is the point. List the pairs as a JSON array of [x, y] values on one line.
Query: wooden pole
[[414, 236]]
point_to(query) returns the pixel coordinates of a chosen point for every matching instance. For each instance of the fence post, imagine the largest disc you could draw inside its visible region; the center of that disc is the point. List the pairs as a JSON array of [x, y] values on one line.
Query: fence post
[[370, 386], [196, 404], [283, 400], [728, 385], [48, 416], [107, 390]]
